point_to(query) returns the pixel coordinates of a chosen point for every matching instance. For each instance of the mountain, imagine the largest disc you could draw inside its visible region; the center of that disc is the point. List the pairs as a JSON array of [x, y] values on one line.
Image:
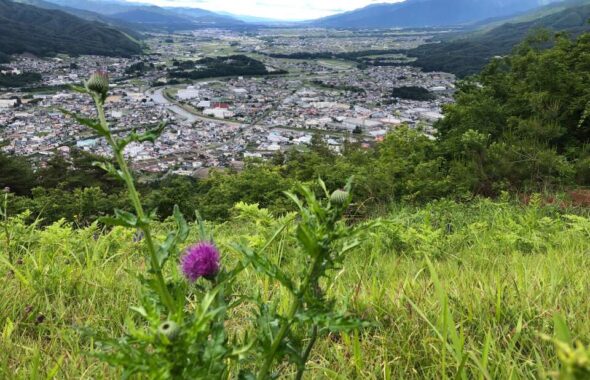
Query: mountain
[[255, 19], [206, 18], [25, 28], [148, 17], [106, 7], [468, 55], [425, 13], [86, 15]]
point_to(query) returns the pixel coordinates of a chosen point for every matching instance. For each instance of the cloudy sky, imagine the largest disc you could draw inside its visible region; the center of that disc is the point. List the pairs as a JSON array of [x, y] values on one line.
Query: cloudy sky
[[276, 9]]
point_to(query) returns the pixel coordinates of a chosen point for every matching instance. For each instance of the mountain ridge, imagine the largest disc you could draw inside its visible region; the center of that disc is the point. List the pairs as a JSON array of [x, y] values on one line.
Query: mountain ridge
[[29, 29], [469, 54], [426, 13], [146, 17]]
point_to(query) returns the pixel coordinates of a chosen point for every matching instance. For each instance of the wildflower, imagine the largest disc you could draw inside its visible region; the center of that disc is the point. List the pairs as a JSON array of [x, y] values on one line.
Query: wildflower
[[201, 260], [7, 189], [339, 197], [98, 83]]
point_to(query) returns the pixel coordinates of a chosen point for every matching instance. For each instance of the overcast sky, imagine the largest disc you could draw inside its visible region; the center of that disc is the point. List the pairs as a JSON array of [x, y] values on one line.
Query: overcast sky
[[276, 9]]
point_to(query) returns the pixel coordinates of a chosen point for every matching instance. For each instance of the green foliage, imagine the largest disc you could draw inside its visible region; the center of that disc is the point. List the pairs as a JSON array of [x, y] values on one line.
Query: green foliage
[[468, 55], [192, 342], [4, 58], [233, 65], [16, 173], [504, 269], [139, 68], [519, 126], [412, 93], [24, 28], [20, 80]]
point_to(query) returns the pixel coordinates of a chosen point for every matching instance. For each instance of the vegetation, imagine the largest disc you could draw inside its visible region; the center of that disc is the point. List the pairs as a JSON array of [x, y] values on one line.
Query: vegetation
[[20, 80], [4, 58], [468, 55], [452, 261], [323, 84], [496, 277], [138, 68], [412, 93], [234, 65], [24, 28], [522, 128], [425, 13]]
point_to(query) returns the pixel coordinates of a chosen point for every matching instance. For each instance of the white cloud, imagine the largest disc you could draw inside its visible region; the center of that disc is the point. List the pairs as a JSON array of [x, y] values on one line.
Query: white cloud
[[277, 9]]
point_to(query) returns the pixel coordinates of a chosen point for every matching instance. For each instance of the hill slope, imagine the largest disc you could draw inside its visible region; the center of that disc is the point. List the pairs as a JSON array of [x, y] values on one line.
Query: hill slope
[[421, 13], [466, 56], [86, 15], [24, 28], [151, 17]]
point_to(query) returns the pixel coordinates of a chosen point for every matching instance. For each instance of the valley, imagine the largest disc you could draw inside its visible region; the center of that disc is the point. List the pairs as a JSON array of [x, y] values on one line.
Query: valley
[[220, 120], [260, 190]]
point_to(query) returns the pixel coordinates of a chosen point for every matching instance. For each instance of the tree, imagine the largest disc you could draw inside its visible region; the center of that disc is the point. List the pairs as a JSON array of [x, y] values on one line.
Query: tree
[[531, 107], [17, 174]]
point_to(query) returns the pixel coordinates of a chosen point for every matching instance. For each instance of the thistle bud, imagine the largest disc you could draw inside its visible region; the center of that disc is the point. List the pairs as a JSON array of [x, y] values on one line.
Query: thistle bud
[[98, 83], [339, 197], [169, 329]]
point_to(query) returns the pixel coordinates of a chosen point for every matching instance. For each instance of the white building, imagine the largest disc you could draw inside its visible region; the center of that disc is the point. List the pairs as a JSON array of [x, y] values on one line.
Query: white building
[[8, 103]]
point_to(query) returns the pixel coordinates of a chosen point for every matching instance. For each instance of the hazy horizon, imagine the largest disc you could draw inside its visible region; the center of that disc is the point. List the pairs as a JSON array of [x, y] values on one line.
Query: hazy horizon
[[285, 10]]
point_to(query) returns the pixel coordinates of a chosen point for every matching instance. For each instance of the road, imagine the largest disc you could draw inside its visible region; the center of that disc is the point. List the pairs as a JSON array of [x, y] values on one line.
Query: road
[[159, 98]]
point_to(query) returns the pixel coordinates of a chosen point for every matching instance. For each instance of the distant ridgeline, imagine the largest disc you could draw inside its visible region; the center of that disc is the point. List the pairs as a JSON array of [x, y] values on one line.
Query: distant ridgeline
[[28, 29], [467, 55], [233, 65]]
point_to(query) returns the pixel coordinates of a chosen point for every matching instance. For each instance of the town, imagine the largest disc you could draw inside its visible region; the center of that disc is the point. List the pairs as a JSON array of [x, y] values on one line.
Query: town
[[220, 122]]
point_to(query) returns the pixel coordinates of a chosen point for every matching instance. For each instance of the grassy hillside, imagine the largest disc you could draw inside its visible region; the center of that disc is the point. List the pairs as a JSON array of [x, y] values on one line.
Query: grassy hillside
[[501, 270], [24, 28], [468, 55]]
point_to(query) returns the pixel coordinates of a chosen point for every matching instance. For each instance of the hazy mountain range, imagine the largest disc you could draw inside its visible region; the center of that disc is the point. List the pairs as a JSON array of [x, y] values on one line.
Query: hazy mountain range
[[467, 54], [140, 17], [425, 13], [72, 26], [410, 13]]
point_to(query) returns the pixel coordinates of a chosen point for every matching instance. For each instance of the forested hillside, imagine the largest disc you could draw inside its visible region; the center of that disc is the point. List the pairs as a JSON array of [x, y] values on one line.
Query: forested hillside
[[426, 13], [468, 55], [27, 29]]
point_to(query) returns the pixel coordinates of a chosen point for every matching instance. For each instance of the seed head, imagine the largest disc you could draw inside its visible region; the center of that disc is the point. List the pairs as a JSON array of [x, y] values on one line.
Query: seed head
[[201, 260], [98, 83]]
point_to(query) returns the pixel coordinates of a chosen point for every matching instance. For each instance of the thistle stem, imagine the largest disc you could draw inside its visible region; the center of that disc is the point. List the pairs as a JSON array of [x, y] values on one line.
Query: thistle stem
[[295, 304], [165, 296], [6, 231], [305, 357]]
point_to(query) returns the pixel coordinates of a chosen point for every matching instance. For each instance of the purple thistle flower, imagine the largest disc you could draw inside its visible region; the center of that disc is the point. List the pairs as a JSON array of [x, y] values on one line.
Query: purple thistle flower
[[201, 260]]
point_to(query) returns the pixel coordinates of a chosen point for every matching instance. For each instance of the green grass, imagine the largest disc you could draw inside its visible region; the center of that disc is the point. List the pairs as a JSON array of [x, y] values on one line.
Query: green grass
[[452, 290], [336, 64]]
